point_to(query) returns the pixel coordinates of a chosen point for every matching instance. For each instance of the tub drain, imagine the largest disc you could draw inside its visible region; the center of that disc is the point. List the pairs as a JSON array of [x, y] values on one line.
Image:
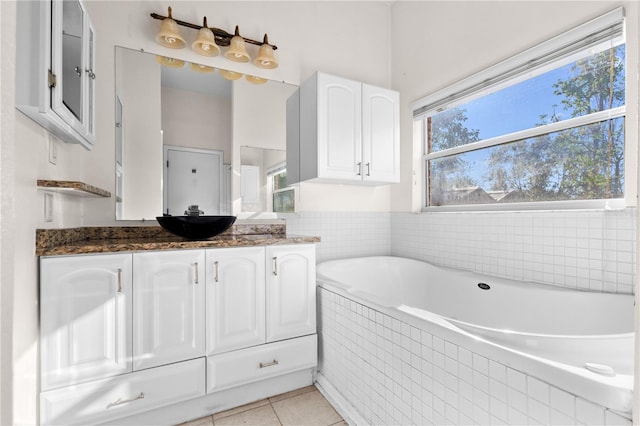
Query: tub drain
[[484, 286], [605, 370]]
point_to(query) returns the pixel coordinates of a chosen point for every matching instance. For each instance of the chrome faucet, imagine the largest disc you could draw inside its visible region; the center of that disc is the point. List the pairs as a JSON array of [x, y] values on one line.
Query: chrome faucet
[[193, 210]]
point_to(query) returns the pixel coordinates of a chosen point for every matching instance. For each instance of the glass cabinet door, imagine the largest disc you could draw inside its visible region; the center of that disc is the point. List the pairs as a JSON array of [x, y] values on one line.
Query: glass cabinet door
[[72, 60]]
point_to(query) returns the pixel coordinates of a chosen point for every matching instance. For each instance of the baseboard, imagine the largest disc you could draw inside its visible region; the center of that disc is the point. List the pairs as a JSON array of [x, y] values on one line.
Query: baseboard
[[341, 405]]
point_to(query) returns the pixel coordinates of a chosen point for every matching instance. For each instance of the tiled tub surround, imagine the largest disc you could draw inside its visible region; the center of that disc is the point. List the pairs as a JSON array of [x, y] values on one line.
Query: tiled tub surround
[[384, 369], [575, 248]]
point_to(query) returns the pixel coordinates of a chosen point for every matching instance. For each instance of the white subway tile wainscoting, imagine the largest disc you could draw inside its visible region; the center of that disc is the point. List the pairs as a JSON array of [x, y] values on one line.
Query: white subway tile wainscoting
[[593, 250]]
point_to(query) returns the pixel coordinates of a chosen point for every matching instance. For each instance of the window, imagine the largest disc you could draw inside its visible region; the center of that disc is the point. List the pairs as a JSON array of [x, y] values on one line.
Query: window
[[546, 125], [283, 197]]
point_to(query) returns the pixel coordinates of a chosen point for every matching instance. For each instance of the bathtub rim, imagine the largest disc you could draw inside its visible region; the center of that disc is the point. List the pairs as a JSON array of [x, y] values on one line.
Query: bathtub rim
[[614, 393]]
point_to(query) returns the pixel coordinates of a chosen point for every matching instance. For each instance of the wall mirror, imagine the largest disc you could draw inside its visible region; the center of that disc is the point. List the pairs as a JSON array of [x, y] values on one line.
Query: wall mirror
[[165, 105], [263, 184]]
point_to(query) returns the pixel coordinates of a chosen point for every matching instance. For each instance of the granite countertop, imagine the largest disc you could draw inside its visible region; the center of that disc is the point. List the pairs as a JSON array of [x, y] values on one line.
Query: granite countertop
[[59, 242]]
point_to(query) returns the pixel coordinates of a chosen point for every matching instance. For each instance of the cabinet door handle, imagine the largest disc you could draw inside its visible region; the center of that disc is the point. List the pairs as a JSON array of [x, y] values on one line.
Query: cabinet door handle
[[368, 169], [215, 271], [78, 71], [269, 364], [121, 401], [195, 265], [91, 74], [359, 168], [119, 281], [275, 265]]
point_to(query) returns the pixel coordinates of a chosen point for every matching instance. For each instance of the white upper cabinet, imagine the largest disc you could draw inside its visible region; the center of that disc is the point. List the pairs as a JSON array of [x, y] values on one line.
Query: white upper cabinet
[[169, 304], [55, 55], [235, 298], [291, 291], [348, 132], [380, 134], [85, 317]]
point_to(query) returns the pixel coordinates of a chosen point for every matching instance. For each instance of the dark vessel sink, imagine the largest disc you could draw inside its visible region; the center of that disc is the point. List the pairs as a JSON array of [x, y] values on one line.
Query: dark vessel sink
[[196, 227]]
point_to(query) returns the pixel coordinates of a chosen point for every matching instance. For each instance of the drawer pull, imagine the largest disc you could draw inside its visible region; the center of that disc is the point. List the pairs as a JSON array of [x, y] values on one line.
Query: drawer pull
[[196, 268], [269, 364], [121, 401], [215, 268], [119, 281]]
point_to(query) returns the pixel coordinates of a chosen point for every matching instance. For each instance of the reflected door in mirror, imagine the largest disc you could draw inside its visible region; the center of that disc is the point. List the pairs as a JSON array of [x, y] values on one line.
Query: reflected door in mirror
[[193, 177]]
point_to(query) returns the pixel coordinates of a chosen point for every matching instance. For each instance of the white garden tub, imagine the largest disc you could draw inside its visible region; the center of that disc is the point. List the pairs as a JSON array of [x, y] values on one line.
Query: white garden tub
[[579, 341]]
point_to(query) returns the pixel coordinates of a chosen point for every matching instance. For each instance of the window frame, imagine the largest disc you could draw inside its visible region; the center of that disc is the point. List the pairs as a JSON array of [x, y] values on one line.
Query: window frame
[[601, 33]]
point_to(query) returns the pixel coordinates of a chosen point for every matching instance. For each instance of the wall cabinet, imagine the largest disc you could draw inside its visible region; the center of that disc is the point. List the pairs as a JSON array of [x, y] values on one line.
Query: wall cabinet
[[348, 132], [55, 56], [125, 333]]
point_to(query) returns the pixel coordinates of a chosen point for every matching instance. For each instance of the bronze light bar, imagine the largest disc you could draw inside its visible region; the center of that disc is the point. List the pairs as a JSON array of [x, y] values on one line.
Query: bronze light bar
[[222, 37]]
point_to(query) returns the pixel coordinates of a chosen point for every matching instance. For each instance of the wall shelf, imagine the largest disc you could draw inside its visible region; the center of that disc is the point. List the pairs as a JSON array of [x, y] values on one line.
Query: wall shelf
[[75, 188]]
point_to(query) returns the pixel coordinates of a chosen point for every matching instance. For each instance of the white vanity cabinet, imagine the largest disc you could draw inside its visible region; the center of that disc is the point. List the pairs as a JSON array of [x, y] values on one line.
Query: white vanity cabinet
[[291, 291], [55, 55], [147, 336], [169, 307], [349, 132], [235, 298], [85, 317]]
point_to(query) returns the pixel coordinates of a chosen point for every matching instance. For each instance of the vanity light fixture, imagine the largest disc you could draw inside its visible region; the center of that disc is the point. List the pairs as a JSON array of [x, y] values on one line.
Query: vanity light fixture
[[169, 35], [265, 58], [209, 39], [201, 68], [255, 80], [230, 75], [237, 50], [169, 62], [205, 44]]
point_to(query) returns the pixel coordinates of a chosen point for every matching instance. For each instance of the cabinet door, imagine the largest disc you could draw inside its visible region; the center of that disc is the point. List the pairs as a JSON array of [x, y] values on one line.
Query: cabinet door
[[168, 311], [339, 128], [85, 318], [291, 295], [235, 298], [72, 58], [380, 134]]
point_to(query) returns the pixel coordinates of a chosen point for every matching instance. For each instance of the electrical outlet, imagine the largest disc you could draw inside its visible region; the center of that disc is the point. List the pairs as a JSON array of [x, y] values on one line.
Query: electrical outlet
[[53, 150], [48, 207]]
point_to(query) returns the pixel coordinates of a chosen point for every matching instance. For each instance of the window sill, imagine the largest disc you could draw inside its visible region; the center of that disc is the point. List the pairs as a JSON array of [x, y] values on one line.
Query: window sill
[[600, 205]]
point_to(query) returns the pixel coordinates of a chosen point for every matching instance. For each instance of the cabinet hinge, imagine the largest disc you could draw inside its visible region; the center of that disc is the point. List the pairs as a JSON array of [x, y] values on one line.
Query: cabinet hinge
[[52, 80]]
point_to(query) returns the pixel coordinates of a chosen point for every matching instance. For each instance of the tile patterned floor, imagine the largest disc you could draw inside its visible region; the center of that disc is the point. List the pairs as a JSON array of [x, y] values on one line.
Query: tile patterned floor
[[305, 406]]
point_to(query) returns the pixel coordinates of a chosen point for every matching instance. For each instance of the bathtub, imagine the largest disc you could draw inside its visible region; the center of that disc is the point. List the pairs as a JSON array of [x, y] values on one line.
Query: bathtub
[[580, 342]]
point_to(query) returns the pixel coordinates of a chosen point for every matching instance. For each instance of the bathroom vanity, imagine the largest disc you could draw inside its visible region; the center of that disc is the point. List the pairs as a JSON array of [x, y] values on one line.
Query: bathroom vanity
[[167, 329]]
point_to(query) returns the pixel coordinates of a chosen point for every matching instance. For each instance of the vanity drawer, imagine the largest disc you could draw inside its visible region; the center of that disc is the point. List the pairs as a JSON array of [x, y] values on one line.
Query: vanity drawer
[[109, 399], [260, 362]]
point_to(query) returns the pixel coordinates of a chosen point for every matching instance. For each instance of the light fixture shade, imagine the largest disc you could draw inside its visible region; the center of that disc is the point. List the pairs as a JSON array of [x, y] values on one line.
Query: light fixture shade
[[255, 80], [201, 68], [237, 50], [205, 44], [265, 58], [169, 62], [230, 75], [169, 36]]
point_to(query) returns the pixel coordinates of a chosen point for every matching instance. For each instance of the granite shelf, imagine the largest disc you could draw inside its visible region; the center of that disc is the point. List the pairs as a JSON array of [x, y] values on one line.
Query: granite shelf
[[75, 188]]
